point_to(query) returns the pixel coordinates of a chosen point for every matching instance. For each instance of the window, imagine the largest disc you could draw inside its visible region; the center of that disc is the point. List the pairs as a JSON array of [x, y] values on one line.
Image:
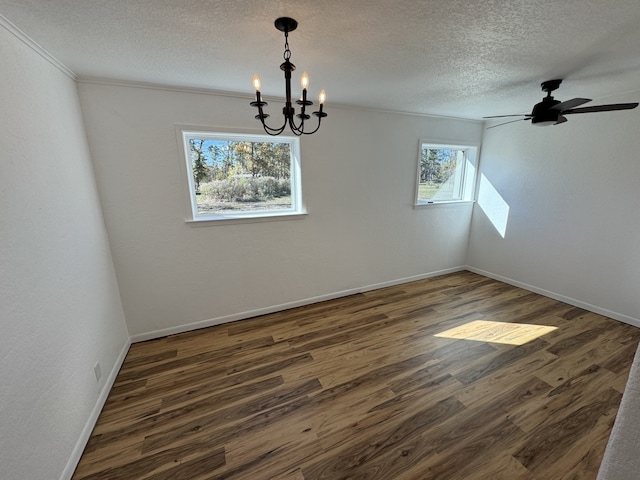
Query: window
[[235, 176], [446, 173]]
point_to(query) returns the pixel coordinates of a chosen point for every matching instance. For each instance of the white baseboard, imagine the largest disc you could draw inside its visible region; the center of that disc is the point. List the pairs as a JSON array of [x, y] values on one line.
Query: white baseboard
[[141, 337], [562, 298], [72, 463]]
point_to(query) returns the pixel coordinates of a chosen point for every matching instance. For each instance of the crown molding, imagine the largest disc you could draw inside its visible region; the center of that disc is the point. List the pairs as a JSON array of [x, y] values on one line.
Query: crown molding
[[33, 45]]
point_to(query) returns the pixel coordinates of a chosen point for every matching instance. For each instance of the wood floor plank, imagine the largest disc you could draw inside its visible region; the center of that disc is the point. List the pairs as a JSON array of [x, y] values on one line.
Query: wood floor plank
[[576, 391], [551, 440], [361, 388], [368, 451]]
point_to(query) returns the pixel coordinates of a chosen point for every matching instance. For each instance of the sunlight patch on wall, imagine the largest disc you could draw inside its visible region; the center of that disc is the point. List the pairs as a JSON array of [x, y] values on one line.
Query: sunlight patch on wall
[[497, 332], [493, 205]]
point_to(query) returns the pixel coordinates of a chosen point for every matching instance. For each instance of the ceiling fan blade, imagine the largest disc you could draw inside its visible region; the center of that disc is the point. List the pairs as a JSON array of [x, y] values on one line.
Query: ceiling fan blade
[[574, 102], [515, 115], [561, 119], [602, 108], [505, 123]]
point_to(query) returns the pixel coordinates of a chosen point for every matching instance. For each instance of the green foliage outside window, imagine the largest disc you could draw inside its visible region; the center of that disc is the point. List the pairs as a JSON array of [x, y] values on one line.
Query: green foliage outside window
[[240, 175]]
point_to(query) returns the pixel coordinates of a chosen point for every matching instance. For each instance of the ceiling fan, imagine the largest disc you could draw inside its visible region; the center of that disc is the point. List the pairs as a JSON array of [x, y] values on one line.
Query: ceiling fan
[[552, 112]]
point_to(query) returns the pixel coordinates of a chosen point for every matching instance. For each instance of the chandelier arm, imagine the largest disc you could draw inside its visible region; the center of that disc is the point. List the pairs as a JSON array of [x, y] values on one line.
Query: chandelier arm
[[296, 129], [299, 129], [273, 131], [316, 129]]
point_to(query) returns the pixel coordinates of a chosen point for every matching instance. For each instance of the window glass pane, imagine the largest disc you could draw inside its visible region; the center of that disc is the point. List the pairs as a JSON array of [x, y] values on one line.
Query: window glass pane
[[441, 174], [241, 175]]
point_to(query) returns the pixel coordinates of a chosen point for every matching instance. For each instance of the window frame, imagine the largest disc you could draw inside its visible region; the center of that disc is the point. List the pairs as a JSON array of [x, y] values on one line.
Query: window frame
[[468, 175], [185, 133]]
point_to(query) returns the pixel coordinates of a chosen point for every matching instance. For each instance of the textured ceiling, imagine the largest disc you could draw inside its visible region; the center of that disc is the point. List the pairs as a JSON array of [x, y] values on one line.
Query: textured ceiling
[[460, 58]]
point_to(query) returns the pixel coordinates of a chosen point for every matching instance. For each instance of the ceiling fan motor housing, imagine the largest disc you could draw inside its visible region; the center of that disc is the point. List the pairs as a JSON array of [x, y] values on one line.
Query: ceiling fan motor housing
[[543, 114]]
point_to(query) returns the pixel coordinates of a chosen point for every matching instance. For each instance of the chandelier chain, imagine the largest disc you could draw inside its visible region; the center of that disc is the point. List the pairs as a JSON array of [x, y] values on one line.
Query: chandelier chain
[[287, 52]]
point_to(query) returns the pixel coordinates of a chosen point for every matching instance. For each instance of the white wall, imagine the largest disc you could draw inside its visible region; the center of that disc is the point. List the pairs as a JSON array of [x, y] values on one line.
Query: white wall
[[60, 311], [358, 177], [573, 228]]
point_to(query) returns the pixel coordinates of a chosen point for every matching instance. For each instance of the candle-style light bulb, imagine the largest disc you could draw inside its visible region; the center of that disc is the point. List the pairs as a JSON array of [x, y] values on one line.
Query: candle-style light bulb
[[256, 82], [322, 97], [304, 81]]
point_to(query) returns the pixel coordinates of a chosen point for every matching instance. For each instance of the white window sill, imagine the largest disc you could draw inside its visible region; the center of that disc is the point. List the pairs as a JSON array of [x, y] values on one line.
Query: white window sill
[[450, 203], [212, 220]]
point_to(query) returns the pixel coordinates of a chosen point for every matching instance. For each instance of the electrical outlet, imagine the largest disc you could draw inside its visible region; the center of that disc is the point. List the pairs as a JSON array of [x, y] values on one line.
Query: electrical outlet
[[98, 371]]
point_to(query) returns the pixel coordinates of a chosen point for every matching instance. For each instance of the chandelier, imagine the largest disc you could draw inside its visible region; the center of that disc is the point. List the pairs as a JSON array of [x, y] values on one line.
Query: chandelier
[[286, 25]]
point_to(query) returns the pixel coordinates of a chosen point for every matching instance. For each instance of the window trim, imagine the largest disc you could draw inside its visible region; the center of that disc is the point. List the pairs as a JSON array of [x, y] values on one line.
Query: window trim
[[469, 169], [186, 132]]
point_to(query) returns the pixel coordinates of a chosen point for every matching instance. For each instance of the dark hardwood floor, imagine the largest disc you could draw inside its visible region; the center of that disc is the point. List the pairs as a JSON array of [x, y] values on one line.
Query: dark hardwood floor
[[360, 388]]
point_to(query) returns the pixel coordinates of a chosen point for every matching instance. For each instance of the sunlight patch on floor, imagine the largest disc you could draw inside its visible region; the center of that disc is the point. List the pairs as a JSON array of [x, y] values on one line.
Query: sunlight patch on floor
[[497, 332]]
